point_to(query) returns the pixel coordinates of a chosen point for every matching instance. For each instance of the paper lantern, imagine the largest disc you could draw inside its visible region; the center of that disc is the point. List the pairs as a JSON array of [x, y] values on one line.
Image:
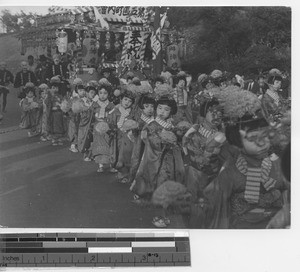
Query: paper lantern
[[62, 41]]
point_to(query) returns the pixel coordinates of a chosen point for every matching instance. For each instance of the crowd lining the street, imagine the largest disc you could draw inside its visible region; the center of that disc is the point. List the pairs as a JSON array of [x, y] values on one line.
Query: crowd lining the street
[[209, 150]]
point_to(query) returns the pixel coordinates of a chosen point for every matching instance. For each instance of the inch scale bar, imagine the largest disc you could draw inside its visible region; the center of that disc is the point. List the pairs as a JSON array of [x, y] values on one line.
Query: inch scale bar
[[97, 250]]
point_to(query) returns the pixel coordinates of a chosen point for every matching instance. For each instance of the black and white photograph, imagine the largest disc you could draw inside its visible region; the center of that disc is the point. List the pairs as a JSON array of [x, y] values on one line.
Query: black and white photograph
[[145, 117]]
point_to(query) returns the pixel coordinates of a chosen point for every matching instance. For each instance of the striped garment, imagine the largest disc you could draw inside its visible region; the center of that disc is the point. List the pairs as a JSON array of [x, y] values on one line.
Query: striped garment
[[273, 95], [255, 177], [163, 123], [205, 132], [101, 113], [147, 119]]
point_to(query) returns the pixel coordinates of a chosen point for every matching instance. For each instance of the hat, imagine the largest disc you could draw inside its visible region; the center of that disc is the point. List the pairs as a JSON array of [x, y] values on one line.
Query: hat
[[146, 99], [29, 85], [77, 81], [181, 74], [165, 100], [104, 81], [216, 74], [93, 83], [43, 86], [129, 95], [136, 81], [130, 75], [164, 90], [275, 72], [202, 77], [55, 81]]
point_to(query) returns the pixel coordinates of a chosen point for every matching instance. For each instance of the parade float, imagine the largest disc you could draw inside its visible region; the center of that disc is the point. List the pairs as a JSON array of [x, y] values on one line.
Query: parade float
[[93, 38]]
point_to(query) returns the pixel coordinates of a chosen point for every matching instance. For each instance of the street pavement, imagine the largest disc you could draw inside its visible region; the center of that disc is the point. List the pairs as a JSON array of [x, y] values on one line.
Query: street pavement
[[45, 186]]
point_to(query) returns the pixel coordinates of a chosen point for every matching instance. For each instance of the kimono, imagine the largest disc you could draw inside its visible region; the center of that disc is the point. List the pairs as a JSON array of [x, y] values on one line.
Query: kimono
[[202, 155], [57, 123], [73, 124], [229, 199], [101, 142], [184, 107], [139, 146], [121, 145], [30, 113], [44, 125], [85, 128], [272, 102], [161, 161]]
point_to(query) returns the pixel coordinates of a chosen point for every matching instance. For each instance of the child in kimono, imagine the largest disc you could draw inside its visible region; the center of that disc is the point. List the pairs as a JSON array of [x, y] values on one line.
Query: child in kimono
[[57, 127], [146, 104], [45, 101], [74, 117], [250, 188], [122, 145], [101, 137], [30, 111], [272, 98], [162, 159], [85, 130], [181, 97]]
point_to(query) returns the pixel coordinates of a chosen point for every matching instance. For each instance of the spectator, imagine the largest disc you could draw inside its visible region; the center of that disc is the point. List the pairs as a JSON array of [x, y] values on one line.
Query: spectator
[[6, 78], [41, 70], [22, 78], [31, 64]]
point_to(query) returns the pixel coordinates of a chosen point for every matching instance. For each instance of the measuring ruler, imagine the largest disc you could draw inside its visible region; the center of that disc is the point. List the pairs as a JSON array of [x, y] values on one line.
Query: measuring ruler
[[94, 249]]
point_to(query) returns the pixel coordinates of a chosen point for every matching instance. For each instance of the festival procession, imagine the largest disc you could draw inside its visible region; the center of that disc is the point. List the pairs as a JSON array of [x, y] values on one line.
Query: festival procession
[[107, 122]]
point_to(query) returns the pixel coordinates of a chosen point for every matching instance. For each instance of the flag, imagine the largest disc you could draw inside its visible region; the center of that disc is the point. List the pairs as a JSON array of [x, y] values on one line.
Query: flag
[[100, 19]]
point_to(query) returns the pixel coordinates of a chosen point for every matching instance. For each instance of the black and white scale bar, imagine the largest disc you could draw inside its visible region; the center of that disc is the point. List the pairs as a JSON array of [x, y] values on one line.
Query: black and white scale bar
[[97, 260]]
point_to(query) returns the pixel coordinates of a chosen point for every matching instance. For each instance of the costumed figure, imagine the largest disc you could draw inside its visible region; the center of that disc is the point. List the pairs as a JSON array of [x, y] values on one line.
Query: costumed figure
[[120, 121], [86, 108], [101, 133], [57, 122], [44, 124], [249, 189], [146, 104], [161, 160], [30, 111], [74, 117]]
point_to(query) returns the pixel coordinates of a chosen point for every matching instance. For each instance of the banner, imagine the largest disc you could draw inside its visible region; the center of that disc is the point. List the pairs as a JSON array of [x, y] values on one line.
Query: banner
[[173, 59], [134, 45]]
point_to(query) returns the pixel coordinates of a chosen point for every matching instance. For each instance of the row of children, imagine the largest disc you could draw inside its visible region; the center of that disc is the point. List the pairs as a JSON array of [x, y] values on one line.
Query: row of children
[[207, 167]]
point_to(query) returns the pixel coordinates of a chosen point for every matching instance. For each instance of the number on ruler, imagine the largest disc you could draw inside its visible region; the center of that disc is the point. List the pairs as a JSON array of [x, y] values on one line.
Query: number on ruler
[[153, 255]]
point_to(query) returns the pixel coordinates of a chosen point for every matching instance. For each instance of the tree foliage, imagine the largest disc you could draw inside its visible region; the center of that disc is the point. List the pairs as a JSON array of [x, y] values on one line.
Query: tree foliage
[[250, 39], [18, 21]]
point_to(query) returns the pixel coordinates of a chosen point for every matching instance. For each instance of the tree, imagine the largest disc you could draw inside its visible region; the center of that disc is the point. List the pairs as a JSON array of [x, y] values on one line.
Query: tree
[[18, 21]]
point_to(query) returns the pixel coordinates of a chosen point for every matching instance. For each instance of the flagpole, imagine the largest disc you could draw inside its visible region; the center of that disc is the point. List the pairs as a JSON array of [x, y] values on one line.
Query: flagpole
[[157, 63]]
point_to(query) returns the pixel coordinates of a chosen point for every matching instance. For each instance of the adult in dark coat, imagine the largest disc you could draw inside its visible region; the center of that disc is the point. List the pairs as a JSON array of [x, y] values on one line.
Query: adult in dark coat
[[6, 78], [58, 68], [22, 78], [258, 87]]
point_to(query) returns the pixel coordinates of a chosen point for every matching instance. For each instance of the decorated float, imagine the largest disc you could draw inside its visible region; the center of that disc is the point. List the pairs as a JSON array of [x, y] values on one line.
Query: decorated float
[[93, 38]]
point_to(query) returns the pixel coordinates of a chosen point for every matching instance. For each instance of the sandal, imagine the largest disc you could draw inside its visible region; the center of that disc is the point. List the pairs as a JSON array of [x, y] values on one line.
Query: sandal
[[124, 180], [113, 170], [159, 222], [100, 170]]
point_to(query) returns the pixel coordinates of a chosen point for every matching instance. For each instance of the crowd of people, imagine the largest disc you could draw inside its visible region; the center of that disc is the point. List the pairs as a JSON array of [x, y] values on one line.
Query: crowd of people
[[207, 150]]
